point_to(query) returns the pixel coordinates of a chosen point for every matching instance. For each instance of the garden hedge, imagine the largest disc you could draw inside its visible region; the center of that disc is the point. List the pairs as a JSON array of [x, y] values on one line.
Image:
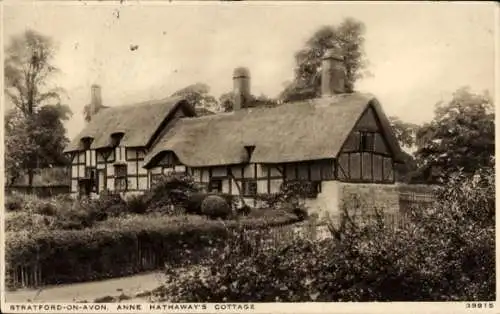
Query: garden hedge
[[120, 246]]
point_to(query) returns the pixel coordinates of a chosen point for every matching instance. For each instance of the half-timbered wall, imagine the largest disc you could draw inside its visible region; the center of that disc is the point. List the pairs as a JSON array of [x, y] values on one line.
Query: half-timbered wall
[[169, 163], [365, 156], [105, 164], [137, 176], [251, 179]]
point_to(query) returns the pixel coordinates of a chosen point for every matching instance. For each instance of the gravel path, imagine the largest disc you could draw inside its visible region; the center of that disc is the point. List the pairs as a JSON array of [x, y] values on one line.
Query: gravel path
[[89, 291]]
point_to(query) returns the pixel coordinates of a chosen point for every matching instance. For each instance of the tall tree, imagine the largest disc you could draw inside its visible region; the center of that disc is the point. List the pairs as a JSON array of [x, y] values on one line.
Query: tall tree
[[198, 95], [34, 130], [461, 137], [348, 38], [405, 132]]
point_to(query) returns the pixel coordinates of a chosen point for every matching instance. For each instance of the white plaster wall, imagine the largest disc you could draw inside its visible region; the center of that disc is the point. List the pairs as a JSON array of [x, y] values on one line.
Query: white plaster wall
[[225, 186], [143, 183]]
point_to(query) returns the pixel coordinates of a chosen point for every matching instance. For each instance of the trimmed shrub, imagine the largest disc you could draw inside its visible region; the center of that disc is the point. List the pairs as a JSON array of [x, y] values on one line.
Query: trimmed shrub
[[215, 206], [193, 203], [113, 246]]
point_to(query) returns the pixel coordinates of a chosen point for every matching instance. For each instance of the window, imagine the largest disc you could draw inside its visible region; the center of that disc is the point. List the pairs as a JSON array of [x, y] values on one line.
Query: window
[[91, 175], [367, 142], [215, 185], [120, 177], [249, 187], [169, 160], [86, 141]]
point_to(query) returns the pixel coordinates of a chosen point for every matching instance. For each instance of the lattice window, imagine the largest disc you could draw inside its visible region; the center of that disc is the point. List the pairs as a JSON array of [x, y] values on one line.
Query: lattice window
[[121, 182], [249, 187]]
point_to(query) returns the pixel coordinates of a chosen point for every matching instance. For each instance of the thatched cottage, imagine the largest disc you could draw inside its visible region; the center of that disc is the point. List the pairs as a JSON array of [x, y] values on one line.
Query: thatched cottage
[[339, 141]]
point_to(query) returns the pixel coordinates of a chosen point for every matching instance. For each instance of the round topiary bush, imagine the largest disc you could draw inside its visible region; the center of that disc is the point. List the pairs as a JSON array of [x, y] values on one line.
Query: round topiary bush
[[193, 203], [215, 206]]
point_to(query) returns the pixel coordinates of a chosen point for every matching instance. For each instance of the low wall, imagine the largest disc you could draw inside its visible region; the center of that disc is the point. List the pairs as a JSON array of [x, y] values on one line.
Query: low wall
[[326, 204], [393, 200], [384, 197]]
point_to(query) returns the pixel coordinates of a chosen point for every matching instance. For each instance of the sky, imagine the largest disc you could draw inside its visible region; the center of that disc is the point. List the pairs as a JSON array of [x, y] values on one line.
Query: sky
[[419, 53]]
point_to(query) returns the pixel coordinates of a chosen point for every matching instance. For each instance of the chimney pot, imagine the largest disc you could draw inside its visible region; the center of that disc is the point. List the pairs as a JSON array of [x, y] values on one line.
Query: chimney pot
[[332, 73], [241, 87]]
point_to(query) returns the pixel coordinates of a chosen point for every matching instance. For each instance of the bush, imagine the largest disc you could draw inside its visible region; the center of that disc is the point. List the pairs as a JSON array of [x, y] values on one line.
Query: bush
[[169, 192], [444, 252], [136, 204], [215, 206], [193, 203], [14, 202], [244, 210], [26, 221], [113, 247]]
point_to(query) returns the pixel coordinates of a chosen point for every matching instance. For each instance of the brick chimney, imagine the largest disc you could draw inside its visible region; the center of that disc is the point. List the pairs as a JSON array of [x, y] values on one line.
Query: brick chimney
[[95, 100], [241, 87], [332, 74]]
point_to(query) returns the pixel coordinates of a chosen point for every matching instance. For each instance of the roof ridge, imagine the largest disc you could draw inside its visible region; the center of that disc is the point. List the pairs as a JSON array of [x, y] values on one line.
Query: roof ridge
[[147, 102]]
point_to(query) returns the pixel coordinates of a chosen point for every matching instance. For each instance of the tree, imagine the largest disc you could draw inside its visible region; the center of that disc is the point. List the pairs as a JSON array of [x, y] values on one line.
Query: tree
[[35, 135], [226, 101], [461, 137], [405, 132], [198, 95], [348, 38]]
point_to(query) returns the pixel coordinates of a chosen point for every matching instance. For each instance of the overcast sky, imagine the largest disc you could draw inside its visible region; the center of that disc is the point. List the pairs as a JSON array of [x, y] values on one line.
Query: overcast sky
[[419, 53]]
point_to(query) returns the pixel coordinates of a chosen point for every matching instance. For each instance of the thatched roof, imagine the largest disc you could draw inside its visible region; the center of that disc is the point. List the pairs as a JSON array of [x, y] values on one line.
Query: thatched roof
[[137, 122], [299, 131]]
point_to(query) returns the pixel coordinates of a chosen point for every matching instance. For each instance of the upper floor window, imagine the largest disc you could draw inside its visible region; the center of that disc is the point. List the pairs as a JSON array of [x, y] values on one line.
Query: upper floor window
[[116, 138], [86, 141], [367, 143]]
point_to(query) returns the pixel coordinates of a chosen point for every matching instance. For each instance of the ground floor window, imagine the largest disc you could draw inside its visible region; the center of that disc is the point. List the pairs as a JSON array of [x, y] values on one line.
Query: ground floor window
[[121, 182], [215, 185], [302, 188], [249, 187]]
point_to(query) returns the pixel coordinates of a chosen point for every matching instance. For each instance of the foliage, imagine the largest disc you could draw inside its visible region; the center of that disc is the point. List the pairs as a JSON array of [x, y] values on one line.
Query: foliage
[[199, 96], [193, 203], [35, 136], [444, 252], [171, 191], [348, 38], [405, 132], [112, 247], [214, 206], [461, 137], [28, 221], [13, 202], [136, 204], [291, 197], [62, 212], [226, 101]]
